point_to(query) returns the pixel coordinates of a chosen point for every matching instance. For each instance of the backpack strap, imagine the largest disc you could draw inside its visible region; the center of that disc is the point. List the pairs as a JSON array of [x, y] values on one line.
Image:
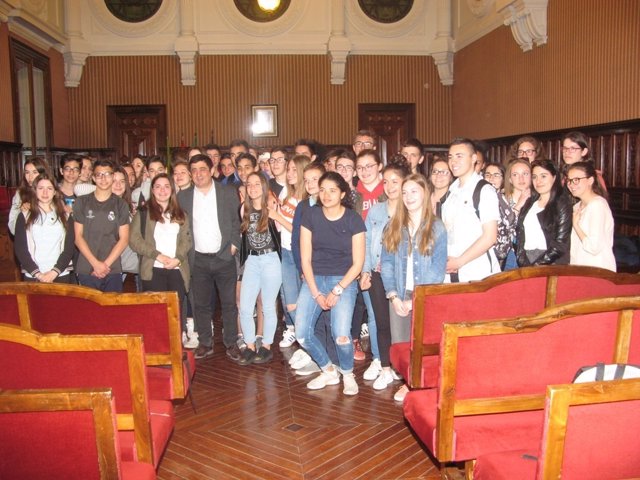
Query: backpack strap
[[476, 205], [476, 195]]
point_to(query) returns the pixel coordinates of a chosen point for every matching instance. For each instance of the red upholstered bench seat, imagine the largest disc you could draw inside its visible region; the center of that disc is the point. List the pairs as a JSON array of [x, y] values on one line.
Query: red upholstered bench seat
[[76, 310], [509, 465], [162, 419], [32, 360], [474, 435], [494, 374], [591, 433], [520, 292], [62, 434]]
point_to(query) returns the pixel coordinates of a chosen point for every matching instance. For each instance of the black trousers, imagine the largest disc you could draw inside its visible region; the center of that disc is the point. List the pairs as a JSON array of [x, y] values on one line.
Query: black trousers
[[164, 280], [208, 273]]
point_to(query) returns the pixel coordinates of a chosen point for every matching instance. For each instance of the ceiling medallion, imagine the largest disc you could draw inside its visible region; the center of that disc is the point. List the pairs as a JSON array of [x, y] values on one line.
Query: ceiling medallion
[[133, 11], [386, 11], [262, 10]]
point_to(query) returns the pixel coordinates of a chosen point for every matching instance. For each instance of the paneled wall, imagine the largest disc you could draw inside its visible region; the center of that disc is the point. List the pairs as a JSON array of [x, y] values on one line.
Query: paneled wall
[[6, 113], [227, 86], [588, 73]]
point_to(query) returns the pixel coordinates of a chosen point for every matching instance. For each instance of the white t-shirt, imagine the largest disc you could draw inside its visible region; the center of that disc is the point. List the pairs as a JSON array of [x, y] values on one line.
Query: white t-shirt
[[534, 235], [166, 236], [464, 227]]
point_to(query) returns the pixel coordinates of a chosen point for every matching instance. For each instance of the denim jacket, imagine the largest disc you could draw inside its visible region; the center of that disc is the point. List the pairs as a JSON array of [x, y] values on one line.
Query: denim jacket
[[426, 269], [377, 219]]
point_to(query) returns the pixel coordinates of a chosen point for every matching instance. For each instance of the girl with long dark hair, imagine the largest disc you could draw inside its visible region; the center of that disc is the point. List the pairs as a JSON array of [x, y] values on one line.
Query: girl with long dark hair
[[44, 239], [544, 223], [260, 257], [160, 235]]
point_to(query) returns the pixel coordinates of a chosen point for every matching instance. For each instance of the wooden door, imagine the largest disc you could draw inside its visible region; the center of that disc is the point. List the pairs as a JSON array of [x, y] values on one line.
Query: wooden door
[[137, 129], [392, 122]]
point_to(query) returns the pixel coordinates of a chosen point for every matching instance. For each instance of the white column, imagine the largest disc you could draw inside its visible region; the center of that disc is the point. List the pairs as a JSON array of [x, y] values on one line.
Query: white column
[[76, 48], [339, 45], [186, 45], [443, 45]]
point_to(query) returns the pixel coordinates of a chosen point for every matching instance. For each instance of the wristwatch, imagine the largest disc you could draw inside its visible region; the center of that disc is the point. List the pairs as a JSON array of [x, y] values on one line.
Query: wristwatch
[[392, 297], [337, 290]]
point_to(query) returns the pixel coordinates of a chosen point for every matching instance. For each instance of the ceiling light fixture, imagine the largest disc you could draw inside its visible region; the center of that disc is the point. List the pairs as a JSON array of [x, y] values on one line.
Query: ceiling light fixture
[[269, 5]]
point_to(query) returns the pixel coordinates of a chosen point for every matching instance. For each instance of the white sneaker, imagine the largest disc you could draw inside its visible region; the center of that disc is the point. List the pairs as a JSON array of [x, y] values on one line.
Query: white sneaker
[[191, 341], [309, 369], [364, 330], [190, 327], [373, 371], [401, 393], [330, 377], [350, 385], [288, 337], [296, 356], [302, 361], [396, 375], [383, 381]]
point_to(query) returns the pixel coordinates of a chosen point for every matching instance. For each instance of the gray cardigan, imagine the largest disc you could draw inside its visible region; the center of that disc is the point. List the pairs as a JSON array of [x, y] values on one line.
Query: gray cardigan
[[146, 247]]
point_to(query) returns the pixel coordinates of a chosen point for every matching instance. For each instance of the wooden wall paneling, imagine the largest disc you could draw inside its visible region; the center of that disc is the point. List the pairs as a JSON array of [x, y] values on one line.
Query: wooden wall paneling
[[227, 86], [588, 73]]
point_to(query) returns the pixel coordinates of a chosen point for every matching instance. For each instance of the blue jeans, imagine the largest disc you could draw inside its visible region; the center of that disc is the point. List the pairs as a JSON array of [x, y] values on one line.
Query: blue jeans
[[291, 284], [262, 273], [510, 262], [111, 283], [373, 329], [307, 315]]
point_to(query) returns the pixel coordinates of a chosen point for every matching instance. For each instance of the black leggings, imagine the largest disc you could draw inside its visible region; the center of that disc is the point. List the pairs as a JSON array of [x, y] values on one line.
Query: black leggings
[[380, 306]]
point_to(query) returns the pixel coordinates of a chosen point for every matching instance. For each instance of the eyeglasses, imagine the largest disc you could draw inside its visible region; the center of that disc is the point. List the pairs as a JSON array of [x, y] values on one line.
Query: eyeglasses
[[571, 149], [363, 144], [441, 173], [493, 175], [344, 168], [273, 160], [527, 152], [575, 181], [362, 168], [102, 175], [71, 169]]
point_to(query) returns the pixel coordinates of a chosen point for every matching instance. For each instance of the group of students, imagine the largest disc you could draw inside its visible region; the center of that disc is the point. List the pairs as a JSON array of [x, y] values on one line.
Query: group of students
[[333, 238], [563, 215]]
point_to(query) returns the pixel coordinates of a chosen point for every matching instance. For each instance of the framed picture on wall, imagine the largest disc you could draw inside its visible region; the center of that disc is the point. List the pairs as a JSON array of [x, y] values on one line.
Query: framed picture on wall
[[264, 120]]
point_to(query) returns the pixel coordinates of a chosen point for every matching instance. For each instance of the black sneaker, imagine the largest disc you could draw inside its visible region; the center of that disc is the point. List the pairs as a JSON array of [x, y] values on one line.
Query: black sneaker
[[264, 355], [203, 351], [233, 352], [247, 357]]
